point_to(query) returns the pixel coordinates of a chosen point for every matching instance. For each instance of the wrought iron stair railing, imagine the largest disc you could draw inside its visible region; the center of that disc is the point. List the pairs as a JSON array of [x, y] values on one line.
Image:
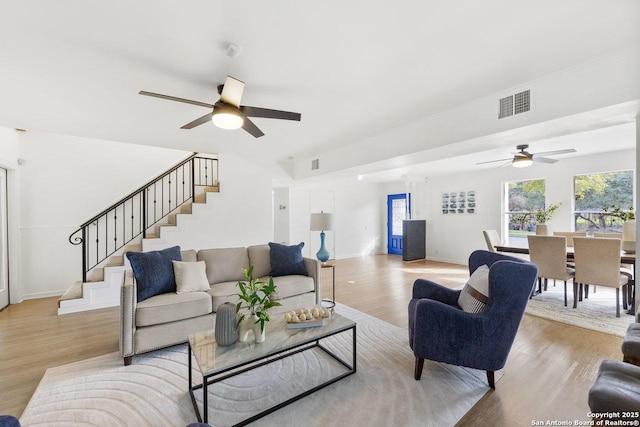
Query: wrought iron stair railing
[[132, 216]]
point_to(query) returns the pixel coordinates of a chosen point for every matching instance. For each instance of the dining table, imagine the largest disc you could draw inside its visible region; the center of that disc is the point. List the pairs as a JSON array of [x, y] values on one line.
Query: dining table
[[625, 258]]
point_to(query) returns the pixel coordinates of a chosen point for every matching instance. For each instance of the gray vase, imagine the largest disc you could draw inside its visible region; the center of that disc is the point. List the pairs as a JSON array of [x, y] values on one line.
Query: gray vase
[[226, 328]]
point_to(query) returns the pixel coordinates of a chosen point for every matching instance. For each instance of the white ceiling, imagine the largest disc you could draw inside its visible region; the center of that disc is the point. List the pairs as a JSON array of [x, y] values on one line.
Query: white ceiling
[[352, 68]]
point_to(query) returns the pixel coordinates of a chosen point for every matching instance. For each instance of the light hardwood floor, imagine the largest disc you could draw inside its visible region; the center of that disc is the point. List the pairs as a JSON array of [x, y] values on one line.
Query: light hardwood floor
[[547, 377]]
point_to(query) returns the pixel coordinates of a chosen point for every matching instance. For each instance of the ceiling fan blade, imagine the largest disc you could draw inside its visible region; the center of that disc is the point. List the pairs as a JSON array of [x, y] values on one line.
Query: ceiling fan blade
[[494, 161], [504, 165], [269, 114], [175, 98], [197, 122], [554, 153], [539, 159], [232, 91], [250, 127]]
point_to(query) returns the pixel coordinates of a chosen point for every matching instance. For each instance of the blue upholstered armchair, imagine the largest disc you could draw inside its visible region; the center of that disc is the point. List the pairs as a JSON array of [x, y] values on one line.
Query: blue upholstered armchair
[[440, 330]]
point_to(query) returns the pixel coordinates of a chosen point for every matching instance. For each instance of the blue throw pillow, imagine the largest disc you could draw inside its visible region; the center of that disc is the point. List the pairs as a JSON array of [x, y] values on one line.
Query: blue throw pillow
[[154, 271], [286, 260]]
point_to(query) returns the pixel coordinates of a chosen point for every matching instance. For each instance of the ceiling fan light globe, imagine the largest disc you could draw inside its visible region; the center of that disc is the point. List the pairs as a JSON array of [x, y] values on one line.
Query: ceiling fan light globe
[[521, 162], [227, 120]]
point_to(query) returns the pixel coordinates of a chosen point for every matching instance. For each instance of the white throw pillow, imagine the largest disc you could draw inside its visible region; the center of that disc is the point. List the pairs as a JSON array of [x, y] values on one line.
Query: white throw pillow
[[475, 294], [190, 276]]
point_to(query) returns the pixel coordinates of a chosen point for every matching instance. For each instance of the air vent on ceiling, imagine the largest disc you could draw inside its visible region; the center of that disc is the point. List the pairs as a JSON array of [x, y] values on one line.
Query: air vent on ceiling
[[315, 164], [515, 104]]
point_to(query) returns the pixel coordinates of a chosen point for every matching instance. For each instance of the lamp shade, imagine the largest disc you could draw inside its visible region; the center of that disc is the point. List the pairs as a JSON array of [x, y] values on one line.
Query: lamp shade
[[321, 221], [226, 117], [521, 162]]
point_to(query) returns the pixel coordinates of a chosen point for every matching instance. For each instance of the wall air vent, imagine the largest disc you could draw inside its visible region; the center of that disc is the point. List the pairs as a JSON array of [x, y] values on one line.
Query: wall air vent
[[521, 102], [506, 107], [515, 104], [315, 164]]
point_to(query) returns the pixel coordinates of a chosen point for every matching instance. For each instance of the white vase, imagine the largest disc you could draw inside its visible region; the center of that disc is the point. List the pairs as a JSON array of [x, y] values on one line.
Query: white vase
[[542, 230], [259, 334], [249, 325], [629, 236]]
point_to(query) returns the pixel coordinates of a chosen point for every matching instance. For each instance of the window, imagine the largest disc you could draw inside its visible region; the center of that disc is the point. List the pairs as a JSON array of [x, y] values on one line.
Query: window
[[602, 201], [524, 198]]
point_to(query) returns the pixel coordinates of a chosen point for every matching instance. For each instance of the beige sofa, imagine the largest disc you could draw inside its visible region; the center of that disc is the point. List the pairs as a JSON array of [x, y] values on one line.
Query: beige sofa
[[167, 319]]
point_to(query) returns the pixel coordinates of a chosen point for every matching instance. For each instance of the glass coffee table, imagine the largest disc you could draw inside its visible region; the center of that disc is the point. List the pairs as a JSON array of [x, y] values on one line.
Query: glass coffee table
[[216, 363]]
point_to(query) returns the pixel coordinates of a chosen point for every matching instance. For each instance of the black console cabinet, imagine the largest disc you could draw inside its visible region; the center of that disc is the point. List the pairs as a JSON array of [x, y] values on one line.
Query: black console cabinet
[[414, 239]]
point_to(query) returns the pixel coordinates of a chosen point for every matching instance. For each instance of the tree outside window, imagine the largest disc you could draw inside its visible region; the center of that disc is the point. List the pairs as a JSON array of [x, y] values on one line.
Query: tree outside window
[[524, 198], [603, 201]]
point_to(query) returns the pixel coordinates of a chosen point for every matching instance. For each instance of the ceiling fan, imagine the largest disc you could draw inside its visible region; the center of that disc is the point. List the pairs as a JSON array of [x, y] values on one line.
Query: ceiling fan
[[523, 158], [227, 113]]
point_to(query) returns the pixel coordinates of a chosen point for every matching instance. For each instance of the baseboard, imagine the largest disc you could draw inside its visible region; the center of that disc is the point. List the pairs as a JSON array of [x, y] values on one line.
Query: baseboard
[[43, 295]]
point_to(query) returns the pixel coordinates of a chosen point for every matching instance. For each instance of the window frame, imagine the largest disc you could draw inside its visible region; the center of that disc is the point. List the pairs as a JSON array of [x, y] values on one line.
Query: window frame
[[616, 225]]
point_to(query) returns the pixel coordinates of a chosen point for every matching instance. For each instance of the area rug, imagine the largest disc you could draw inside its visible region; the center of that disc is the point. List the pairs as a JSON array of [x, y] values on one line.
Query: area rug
[[598, 312], [153, 390]]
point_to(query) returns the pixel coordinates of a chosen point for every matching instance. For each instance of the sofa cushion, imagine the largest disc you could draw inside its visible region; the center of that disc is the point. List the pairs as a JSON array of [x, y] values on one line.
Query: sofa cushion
[[288, 286], [224, 265], [286, 260], [190, 276], [172, 307], [154, 271], [223, 292], [475, 294], [260, 259], [190, 255]]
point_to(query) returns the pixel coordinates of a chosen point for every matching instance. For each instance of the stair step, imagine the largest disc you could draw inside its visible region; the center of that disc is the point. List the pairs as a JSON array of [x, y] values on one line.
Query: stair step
[[74, 292], [96, 274]]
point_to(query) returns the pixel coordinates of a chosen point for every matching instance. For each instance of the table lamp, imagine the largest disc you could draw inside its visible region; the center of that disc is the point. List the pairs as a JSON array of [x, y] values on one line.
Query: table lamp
[[322, 222]]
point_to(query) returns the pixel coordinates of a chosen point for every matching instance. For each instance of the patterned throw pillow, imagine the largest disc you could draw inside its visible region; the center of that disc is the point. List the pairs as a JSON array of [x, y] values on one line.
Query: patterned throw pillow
[[475, 294], [154, 271], [286, 260]]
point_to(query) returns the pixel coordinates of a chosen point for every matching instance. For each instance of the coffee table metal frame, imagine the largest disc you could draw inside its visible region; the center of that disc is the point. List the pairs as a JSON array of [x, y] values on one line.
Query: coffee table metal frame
[[253, 363]]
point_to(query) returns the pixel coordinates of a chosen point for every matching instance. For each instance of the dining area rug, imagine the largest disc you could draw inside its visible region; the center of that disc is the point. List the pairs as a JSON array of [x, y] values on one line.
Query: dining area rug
[[152, 391], [598, 312]]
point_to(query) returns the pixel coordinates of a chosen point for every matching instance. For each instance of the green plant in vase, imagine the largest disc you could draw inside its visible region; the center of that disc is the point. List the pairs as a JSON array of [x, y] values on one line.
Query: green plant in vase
[[255, 295], [544, 215]]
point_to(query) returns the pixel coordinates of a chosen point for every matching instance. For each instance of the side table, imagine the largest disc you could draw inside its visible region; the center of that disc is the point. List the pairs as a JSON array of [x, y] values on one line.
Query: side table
[[326, 302]]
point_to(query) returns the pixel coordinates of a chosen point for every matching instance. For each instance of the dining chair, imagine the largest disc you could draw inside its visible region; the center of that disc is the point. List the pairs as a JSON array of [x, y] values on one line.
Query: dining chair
[[624, 268], [598, 263], [570, 235], [608, 235], [549, 253], [492, 238]]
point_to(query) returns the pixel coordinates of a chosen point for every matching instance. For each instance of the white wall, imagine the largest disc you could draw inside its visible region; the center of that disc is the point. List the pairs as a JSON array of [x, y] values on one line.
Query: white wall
[[64, 181], [356, 217], [452, 238], [241, 214], [9, 154], [281, 211]]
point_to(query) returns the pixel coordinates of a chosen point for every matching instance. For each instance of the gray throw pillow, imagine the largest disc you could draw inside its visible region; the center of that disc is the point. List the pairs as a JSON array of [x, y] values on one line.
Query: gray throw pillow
[[286, 260], [475, 294], [153, 271]]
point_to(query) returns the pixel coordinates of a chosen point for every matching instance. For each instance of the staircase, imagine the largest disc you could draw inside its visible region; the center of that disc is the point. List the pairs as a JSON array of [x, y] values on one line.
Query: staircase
[[144, 220]]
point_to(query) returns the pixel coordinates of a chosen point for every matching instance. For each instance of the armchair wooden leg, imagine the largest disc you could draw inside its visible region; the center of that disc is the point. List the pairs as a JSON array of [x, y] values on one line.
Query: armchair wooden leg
[[127, 360], [417, 373], [490, 379]]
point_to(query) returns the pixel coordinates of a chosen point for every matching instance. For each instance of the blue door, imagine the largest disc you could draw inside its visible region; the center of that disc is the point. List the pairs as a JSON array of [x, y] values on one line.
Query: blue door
[[398, 209]]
